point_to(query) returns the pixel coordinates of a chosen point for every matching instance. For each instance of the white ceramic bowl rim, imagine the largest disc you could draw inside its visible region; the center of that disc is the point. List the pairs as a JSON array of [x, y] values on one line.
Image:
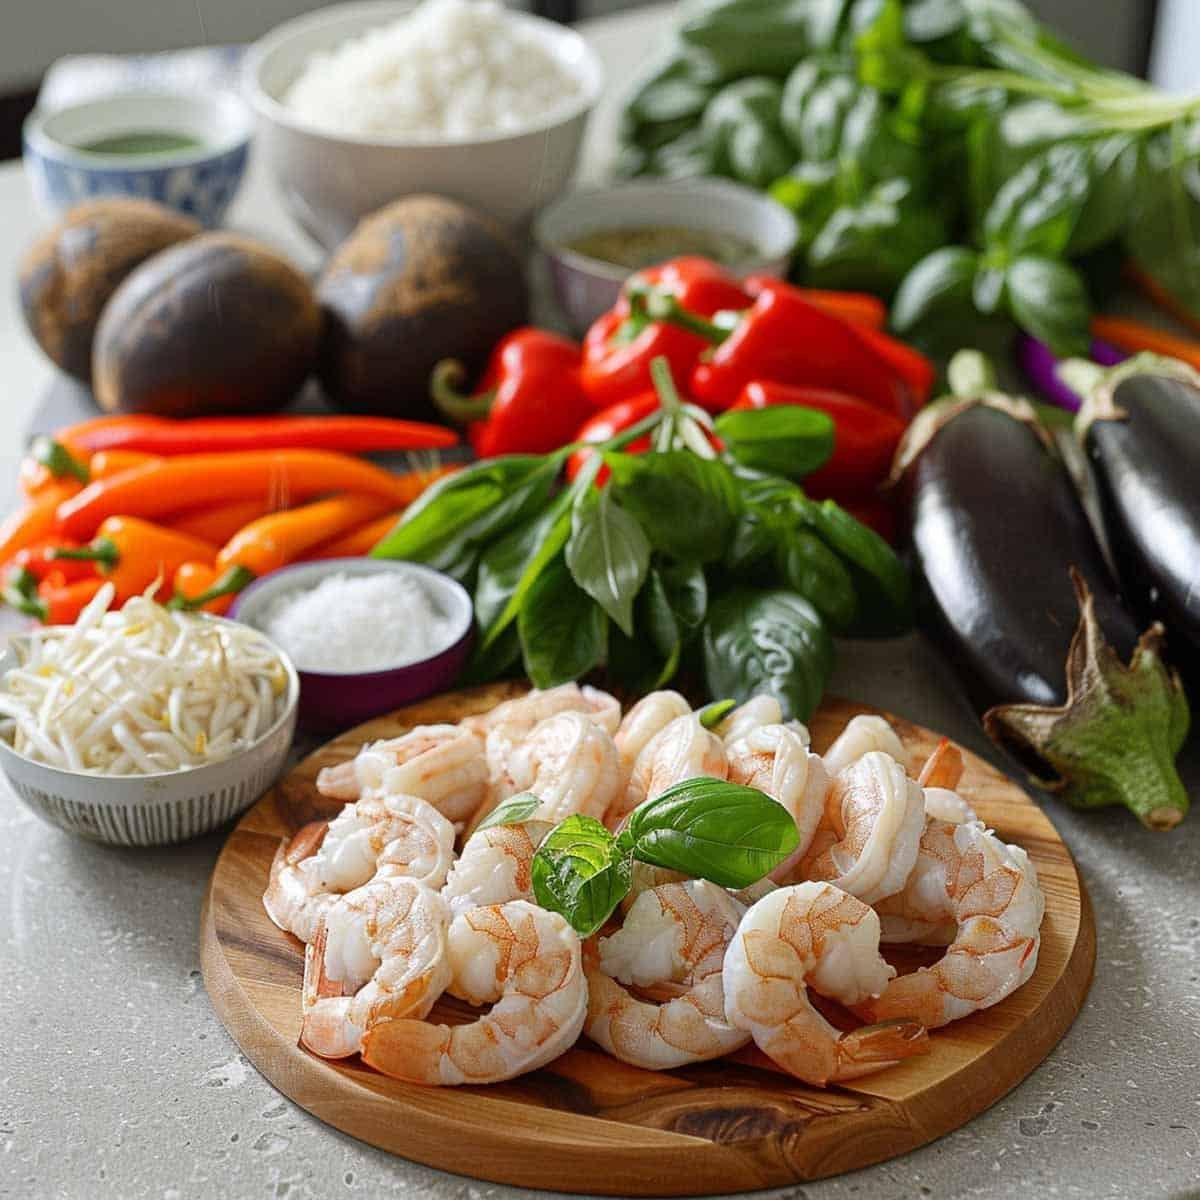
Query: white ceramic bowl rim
[[589, 73], [301, 575], [222, 108], [620, 202], [292, 699]]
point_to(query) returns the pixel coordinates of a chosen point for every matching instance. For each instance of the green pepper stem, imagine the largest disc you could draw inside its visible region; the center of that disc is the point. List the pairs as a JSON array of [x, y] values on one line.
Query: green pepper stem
[[57, 459], [234, 580], [101, 550], [657, 305], [444, 383], [29, 604]]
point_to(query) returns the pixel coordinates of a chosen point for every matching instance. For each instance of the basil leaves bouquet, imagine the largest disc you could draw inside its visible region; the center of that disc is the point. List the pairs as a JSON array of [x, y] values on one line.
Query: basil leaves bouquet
[[953, 154], [700, 555]]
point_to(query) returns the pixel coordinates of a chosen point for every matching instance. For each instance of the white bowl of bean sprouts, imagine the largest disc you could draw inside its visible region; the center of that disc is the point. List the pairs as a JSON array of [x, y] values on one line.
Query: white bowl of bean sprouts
[[143, 728]]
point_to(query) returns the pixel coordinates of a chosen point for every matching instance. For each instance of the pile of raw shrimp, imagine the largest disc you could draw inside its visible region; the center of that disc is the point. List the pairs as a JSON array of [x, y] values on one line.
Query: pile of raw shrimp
[[393, 919]]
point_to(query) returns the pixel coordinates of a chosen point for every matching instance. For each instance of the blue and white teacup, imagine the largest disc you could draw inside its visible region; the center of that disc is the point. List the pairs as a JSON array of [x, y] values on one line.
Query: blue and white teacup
[[199, 179]]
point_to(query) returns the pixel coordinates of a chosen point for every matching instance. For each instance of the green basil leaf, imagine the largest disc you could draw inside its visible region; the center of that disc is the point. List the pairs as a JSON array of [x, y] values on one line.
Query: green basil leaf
[[767, 641], [501, 658], [939, 286], [580, 873], [1037, 209], [608, 554], [712, 829], [767, 517], [1049, 300], [668, 612], [512, 812], [562, 628], [785, 440], [686, 505], [881, 581], [758, 153], [1116, 170], [509, 566], [450, 522], [685, 591], [810, 568]]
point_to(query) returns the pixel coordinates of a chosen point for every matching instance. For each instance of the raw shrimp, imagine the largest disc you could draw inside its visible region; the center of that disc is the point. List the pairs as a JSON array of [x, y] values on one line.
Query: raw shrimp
[[872, 825], [812, 935], [443, 764], [524, 961], [943, 768], [569, 763], [379, 836], [990, 891], [863, 734], [495, 866], [944, 805], [379, 953], [651, 714], [675, 935], [645, 877], [682, 749], [775, 759], [758, 710]]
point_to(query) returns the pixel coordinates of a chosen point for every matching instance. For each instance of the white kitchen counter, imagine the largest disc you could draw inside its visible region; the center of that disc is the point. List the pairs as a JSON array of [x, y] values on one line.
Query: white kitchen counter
[[117, 1080]]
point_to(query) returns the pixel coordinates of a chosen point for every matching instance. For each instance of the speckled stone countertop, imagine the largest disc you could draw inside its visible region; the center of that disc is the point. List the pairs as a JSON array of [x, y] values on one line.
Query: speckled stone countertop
[[117, 1079]]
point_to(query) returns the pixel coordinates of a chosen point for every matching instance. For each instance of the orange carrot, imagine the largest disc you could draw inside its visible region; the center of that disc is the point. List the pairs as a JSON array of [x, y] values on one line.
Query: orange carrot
[[1133, 336], [170, 484]]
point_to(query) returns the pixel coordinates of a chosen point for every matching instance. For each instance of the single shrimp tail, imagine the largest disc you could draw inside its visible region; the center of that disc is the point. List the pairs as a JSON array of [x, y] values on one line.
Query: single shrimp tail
[[874, 1047], [324, 1029], [284, 897]]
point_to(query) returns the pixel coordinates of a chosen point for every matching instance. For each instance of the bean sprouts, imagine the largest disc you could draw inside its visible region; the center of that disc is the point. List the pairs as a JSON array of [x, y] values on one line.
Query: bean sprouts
[[139, 691]]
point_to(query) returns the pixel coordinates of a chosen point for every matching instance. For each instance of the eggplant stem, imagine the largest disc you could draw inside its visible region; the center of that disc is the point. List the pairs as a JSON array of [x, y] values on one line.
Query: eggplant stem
[[1115, 739]]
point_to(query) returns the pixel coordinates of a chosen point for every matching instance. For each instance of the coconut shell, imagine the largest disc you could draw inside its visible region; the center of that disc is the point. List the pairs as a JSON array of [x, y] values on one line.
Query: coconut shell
[[220, 324], [69, 273], [423, 279]]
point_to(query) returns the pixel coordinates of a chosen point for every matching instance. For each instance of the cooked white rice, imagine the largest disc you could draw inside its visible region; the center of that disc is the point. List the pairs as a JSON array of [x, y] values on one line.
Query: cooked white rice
[[453, 69]]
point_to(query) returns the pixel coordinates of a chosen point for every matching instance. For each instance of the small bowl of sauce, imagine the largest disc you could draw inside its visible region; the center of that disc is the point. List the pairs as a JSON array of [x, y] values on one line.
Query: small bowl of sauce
[[594, 240], [186, 151]]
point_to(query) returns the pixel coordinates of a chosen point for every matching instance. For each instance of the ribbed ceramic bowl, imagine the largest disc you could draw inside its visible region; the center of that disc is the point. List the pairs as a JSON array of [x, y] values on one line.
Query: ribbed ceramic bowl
[[330, 701], [153, 810]]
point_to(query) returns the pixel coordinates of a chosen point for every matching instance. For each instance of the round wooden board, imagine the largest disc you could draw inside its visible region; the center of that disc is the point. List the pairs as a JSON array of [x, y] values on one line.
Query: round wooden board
[[588, 1123]]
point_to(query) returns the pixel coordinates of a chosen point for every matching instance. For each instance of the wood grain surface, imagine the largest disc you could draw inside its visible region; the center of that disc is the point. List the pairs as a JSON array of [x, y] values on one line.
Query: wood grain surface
[[587, 1123]]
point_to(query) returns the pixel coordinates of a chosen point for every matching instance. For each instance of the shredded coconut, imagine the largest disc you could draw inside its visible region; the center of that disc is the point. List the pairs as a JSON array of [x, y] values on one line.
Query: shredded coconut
[[453, 69], [350, 623]]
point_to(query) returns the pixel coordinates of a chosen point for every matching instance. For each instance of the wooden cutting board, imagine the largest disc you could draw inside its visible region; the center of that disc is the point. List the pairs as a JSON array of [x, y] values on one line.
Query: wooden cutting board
[[588, 1123]]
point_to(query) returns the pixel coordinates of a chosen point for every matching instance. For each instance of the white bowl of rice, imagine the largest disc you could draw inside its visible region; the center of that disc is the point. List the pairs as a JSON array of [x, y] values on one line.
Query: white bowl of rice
[[360, 104]]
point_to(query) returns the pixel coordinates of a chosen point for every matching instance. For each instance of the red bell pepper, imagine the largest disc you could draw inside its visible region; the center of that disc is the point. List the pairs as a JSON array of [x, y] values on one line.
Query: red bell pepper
[[865, 438], [916, 372], [620, 346], [529, 400], [860, 308], [783, 337], [609, 422]]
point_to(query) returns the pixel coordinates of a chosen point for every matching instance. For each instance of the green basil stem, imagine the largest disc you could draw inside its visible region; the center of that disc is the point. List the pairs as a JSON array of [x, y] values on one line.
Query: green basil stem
[[235, 579], [444, 384], [57, 459]]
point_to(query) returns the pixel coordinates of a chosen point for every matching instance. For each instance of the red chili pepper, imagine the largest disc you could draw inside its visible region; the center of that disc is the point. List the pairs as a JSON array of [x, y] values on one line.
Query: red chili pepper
[[529, 400], [40, 561], [865, 438], [620, 346], [782, 337], [606, 424], [214, 435]]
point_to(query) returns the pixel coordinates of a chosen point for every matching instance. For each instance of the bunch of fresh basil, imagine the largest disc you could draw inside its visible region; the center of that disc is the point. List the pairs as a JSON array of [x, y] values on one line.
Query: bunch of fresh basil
[[713, 564], [704, 828], [950, 152]]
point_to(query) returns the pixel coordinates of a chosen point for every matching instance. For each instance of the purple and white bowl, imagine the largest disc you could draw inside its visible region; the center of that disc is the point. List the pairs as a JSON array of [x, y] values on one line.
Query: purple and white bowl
[[331, 701]]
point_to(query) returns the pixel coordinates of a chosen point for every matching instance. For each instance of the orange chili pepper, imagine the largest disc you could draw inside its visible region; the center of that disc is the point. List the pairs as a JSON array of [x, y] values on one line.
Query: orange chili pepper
[[104, 464], [217, 523], [358, 541], [47, 462], [132, 554], [170, 484], [1160, 297], [1134, 336], [193, 579], [36, 519]]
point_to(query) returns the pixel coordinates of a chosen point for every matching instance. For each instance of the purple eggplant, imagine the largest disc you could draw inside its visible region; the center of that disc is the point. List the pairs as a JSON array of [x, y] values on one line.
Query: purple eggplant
[[1018, 595], [1140, 430]]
